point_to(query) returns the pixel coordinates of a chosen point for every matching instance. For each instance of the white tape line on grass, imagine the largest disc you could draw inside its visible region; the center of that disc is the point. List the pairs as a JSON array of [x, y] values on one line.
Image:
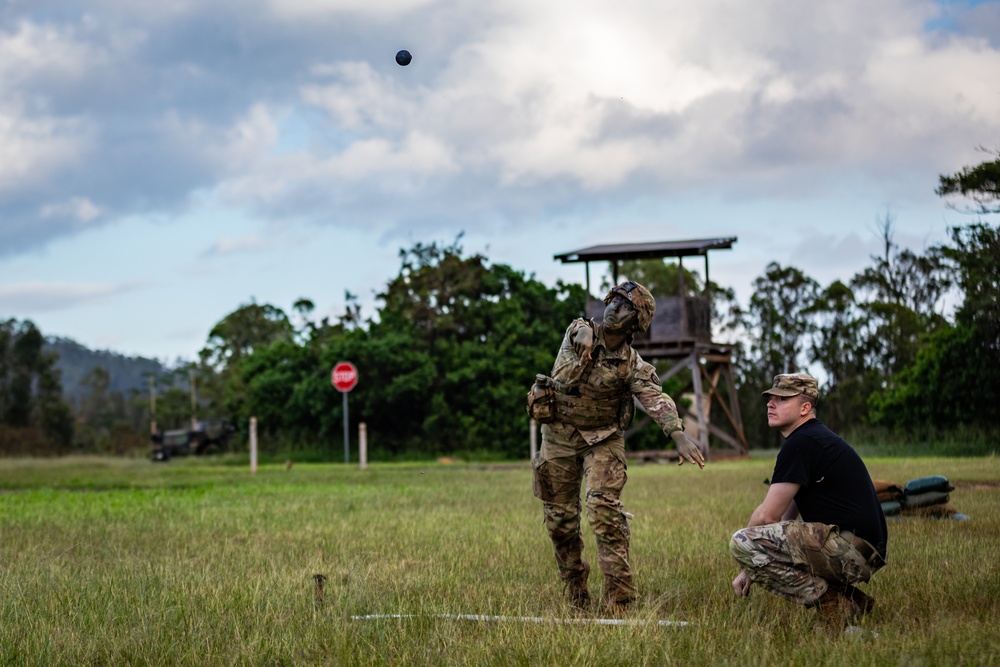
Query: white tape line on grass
[[525, 619]]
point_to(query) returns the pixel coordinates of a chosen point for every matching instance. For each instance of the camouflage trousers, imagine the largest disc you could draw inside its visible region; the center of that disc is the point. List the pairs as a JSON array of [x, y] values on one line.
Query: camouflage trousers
[[798, 561], [564, 462]]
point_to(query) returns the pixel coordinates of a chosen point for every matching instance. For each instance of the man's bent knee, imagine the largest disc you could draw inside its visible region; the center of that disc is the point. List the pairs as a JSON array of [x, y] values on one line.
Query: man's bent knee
[[750, 554], [740, 544]]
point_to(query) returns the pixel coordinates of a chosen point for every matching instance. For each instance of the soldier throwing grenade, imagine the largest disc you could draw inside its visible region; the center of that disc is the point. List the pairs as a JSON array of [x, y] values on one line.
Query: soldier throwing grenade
[[584, 408]]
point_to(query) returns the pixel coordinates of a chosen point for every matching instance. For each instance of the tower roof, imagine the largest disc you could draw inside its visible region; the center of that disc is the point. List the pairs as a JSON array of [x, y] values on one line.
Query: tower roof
[[652, 250]]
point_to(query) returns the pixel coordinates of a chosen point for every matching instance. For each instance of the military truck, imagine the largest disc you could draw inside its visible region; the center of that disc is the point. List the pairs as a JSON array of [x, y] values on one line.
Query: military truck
[[202, 440]]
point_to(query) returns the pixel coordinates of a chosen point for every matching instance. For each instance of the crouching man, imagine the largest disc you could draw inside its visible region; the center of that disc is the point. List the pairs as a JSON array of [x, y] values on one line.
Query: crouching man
[[841, 538]]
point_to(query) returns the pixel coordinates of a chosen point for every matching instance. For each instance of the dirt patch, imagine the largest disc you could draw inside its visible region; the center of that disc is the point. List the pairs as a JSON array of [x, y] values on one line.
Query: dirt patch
[[983, 484], [670, 456]]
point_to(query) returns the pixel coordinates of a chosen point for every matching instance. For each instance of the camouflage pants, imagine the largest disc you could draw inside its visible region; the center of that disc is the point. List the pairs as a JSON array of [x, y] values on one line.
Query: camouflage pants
[[564, 462], [799, 561]]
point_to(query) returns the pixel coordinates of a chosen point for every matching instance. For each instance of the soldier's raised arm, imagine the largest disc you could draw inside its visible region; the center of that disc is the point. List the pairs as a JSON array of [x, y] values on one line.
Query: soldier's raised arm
[[583, 341]]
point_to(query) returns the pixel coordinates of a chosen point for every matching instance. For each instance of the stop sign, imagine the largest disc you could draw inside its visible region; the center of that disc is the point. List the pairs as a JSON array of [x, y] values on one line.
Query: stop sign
[[344, 376]]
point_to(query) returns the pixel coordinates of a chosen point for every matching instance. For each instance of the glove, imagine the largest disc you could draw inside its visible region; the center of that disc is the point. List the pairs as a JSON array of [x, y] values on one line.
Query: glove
[[583, 342], [687, 449]]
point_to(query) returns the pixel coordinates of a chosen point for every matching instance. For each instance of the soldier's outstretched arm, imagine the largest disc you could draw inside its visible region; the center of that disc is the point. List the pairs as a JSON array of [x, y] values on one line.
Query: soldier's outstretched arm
[[647, 389]]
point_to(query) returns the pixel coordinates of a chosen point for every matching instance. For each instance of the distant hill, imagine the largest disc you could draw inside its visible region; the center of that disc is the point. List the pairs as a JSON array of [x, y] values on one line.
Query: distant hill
[[75, 361]]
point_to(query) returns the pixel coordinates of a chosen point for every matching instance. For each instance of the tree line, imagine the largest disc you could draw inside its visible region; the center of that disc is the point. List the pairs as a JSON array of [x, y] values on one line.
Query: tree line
[[447, 358], [891, 357], [33, 416]]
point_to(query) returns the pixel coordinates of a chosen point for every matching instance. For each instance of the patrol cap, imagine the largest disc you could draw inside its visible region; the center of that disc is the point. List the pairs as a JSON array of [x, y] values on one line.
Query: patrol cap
[[793, 384]]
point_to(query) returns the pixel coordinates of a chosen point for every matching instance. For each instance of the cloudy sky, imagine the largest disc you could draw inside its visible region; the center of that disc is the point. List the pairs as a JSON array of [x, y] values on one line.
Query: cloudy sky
[[166, 162]]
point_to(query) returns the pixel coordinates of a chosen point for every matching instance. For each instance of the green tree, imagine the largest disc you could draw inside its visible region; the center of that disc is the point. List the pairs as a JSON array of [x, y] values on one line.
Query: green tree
[[949, 383], [52, 415], [780, 318], [105, 420], [954, 378], [173, 394], [436, 292], [303, 308], [975, 260], [398, 378], [835, 345], [444, 367], [980, 184], [487, 330], [6, 336], [778, 323], [240, 332], [663, 278], [659, 276], [236, 337], [270, 376], [899, 298], [904, 278], [30, 388], [25, 360]]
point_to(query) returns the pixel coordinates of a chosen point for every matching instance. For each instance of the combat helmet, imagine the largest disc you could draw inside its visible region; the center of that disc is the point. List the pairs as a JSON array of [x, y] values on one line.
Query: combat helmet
[[641, 299]]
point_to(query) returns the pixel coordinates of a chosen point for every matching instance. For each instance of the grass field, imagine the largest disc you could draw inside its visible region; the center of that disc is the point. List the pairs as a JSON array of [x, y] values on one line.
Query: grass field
[[125, 562]]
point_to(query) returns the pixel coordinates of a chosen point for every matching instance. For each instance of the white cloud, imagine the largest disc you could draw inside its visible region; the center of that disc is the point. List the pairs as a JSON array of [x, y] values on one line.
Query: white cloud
[[677, 95], [38, 297], [34, 147], [77, 208], [33, 50], [34, 140], [308, 9], [507, 106], [231, 246]]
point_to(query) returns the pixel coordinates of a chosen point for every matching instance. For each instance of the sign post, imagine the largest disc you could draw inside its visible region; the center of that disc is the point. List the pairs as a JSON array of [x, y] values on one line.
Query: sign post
[[344, 377]]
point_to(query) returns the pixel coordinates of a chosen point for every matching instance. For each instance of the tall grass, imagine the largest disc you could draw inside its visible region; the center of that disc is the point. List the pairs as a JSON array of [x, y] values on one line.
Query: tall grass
[[125, 562], [961, 440]]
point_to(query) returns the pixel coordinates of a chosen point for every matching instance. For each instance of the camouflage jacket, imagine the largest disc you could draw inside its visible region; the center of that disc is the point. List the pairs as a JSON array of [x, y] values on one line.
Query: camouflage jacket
[[621, 369]]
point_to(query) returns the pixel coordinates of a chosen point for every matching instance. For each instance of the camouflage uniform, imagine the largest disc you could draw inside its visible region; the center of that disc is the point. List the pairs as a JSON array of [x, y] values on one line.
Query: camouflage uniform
[[594, 404], [798, 560]]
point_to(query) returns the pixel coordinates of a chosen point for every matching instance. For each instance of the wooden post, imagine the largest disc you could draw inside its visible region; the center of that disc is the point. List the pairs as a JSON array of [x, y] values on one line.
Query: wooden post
[[253, 445], [682, 293], [699, 403], [363, 444], [708, 292]]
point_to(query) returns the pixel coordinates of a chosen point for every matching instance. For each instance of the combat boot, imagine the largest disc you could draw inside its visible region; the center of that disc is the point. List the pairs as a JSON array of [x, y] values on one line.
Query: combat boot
[[576, 588], [616, 608], [864, 602], [836, 608]]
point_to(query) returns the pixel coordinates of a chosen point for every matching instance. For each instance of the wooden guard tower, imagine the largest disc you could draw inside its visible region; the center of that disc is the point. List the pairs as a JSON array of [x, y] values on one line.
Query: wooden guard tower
[[680, 335]]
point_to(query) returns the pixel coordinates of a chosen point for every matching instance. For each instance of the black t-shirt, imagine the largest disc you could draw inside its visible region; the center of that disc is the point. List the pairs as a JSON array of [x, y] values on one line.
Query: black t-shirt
[[835, 487]]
